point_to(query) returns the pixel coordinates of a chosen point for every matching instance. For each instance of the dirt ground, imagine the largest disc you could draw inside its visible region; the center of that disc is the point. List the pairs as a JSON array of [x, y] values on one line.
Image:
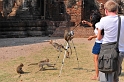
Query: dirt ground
[[14, 47]]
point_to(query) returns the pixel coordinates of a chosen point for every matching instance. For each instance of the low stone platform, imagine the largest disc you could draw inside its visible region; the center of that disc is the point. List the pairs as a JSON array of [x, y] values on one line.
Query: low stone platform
[[25, 28], [79, 32]]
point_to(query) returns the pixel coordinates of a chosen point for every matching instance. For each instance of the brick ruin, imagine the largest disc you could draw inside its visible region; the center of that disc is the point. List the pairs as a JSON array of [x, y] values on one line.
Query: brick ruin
[[24, 18]]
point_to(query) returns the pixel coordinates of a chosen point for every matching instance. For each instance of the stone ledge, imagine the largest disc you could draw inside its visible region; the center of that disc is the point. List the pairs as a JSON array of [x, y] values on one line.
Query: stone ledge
[[79, 32]]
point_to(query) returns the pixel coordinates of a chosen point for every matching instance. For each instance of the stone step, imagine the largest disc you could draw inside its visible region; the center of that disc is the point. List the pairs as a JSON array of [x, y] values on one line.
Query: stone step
[[20, 34], [14, 34], [36, 33], [23, 23], [79, 32], [17, 28], [23, 28]]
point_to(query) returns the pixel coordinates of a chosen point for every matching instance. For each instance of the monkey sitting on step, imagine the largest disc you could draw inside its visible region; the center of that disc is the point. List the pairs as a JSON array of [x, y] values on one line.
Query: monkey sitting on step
[[42, 63]]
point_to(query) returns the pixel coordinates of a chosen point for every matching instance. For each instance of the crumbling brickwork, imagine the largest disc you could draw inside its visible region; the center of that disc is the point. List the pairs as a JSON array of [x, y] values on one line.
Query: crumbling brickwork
[[75, 12], [57, 15]]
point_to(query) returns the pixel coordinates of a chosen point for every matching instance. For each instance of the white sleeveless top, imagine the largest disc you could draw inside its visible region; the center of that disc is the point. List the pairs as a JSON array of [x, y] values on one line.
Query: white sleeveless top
[[96, 32]]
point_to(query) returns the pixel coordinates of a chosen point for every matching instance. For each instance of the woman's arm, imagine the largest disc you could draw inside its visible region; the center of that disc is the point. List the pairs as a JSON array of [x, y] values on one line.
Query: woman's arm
[[99, 36], [91, 37], [86, 22]]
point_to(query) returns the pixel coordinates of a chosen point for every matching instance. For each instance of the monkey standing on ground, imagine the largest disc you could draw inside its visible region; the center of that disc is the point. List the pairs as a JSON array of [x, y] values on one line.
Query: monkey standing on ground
[[42, 63]]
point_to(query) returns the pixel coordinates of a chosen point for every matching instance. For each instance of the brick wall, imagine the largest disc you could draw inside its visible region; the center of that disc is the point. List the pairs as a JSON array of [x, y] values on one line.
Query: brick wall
[[75, 12]]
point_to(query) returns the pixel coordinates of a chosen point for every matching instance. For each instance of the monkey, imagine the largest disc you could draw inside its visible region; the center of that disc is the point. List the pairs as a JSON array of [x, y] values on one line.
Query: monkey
[[19, 69], [68, 36], [17, 5], [59, 47], [14, 10], [45, 63], [42, 63]]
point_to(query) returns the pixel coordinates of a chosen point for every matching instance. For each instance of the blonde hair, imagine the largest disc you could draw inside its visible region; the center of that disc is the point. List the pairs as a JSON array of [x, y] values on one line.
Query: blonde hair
[[111, 6]]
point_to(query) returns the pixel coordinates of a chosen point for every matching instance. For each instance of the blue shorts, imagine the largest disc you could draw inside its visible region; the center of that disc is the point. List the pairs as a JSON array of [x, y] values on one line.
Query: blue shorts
[[96, 48]]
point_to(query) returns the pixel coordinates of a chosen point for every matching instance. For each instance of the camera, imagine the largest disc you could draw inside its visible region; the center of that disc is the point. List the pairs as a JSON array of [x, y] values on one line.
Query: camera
[[71, 33]]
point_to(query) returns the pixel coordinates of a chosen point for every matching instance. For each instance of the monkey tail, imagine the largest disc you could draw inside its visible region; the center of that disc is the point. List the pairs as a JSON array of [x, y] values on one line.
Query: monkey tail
[[33, 64]]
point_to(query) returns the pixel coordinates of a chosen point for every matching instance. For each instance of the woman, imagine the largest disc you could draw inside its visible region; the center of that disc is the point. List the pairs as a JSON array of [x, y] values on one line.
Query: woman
[[95, 17]]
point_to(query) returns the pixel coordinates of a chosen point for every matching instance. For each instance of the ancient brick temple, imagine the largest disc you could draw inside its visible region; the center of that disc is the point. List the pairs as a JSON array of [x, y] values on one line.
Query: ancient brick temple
[[23, 18]]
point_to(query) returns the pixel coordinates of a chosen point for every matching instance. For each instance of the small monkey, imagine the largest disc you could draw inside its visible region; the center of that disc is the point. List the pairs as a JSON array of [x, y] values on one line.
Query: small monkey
[[42, 63], [19, 69], [17, 5], [14, 10], [45, 63], [57, 46], [68, 36]]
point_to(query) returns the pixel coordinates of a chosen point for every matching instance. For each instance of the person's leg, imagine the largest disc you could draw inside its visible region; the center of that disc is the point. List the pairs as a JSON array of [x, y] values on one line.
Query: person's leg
[[96, 65], [96, 51], [102, 77], [120, 59], [110, 77], [106, 77], [121, 56]]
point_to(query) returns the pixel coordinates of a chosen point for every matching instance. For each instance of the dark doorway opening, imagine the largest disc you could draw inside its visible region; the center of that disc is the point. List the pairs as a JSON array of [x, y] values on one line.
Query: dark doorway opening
[[40, 4]]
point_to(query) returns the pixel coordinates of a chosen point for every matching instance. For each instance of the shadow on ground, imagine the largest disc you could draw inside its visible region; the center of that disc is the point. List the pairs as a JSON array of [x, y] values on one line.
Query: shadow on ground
[[88, 70]]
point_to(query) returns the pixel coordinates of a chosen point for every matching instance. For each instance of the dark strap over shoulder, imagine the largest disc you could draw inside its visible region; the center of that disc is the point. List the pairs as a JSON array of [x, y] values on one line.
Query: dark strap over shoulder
[[119, 27]]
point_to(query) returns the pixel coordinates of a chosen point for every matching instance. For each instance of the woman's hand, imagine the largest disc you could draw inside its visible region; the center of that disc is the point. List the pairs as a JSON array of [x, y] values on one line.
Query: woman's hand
[[84, 22], [90, 37]]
